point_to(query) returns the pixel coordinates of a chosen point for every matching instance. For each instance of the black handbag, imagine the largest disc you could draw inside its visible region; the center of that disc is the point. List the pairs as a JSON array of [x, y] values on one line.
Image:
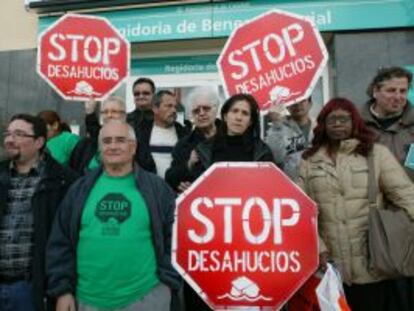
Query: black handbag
[[390, 234]]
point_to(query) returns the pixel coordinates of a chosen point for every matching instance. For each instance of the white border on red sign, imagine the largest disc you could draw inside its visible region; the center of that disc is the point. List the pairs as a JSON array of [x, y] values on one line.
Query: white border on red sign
[[318, 73], [195, 184], [61, 19]]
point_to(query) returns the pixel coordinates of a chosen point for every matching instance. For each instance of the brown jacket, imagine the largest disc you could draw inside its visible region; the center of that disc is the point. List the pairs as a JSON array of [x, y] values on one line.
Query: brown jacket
[[341, 193], [397, 137]]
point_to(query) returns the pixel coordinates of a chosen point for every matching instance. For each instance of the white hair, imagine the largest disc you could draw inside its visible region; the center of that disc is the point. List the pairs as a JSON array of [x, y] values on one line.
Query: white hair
[[203, 92], [131, 132], [114, 99]]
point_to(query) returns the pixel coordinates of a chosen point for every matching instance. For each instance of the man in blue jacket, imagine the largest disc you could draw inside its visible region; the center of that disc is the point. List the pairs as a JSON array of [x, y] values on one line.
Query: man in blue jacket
[[111, 240]]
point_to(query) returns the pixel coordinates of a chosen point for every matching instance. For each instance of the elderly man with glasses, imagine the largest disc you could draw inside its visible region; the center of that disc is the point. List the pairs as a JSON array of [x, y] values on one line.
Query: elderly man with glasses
[[143, 90], [110, 247], [32, 184], [204, 104], [86, 155]]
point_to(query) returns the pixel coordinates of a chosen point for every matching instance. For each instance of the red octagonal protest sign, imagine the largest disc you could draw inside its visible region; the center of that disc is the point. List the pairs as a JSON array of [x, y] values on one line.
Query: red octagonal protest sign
[[276, 57], [82, 57], [245, 236]]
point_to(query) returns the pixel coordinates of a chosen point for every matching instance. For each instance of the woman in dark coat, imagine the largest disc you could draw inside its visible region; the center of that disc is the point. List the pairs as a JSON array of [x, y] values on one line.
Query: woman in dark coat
[[237, 139]]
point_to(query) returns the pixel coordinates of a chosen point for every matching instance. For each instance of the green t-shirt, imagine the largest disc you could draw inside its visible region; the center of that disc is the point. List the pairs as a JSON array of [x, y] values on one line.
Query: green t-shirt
[[95, 161], [61, 146], [115, 256]]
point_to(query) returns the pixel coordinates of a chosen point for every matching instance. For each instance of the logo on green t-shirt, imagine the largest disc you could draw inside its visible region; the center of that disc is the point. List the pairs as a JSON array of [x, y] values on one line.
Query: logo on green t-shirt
[[112, 210]]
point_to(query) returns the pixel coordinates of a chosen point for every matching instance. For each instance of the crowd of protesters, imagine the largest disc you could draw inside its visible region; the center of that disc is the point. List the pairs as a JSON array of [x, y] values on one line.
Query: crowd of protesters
[[64, 247]]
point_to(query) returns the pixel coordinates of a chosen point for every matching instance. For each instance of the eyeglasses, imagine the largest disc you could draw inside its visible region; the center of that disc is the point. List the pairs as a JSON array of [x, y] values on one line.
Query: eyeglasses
[[331, 120], [143, 93], [112, 112], [18, 134], [199, 109], [116, 140]]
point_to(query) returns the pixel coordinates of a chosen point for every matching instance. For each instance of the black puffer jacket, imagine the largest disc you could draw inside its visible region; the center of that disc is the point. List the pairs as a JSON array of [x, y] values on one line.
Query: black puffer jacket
[[178, 171]]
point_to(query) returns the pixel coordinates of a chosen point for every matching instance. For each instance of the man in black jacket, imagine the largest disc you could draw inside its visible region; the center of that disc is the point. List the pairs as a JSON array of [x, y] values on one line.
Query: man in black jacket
[[157, 138], [143, 90], [116, 220], [32, 184]]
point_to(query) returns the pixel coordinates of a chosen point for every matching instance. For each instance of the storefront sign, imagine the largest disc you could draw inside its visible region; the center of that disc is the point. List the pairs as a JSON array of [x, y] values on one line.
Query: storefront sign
[[215, 20], [411, 90], [174, 65]]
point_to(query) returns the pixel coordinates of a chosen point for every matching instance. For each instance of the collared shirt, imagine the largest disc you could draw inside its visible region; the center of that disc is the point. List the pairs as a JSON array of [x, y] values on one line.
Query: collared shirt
[[16, 224]]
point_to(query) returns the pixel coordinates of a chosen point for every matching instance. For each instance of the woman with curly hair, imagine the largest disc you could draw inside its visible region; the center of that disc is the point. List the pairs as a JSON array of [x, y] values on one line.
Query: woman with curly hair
[[334, 173]]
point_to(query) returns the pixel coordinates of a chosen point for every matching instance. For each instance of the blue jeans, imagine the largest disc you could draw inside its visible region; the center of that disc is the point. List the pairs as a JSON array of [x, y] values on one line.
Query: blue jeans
[[16, 297]]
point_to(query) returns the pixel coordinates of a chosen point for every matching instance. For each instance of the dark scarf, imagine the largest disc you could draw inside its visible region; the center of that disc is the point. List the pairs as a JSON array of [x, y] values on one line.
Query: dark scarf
[[233, 148]]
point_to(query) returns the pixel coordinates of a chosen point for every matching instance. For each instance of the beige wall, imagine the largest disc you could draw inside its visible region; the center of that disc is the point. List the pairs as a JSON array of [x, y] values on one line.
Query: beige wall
[[18, 27]]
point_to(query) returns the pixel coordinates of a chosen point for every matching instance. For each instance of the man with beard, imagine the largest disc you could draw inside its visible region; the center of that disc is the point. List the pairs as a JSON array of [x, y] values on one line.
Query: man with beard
[[158, 137], [32, 184]]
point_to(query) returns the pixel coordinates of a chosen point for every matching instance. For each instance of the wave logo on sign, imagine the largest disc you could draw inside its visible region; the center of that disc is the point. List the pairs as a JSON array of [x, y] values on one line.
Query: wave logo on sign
[[244, 289]]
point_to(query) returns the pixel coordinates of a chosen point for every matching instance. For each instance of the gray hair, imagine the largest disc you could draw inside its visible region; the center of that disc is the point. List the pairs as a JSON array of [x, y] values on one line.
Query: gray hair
[[131, 132], [208, 93], [114, 99], [157, 99]]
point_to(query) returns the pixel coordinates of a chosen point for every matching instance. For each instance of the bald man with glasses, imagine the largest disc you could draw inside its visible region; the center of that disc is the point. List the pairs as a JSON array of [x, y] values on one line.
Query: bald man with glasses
[[117, 219]]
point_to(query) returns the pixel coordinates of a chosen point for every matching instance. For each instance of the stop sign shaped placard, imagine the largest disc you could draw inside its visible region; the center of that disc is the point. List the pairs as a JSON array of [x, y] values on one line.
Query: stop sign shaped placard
[[245, 236], [276, 57], [82, 57]]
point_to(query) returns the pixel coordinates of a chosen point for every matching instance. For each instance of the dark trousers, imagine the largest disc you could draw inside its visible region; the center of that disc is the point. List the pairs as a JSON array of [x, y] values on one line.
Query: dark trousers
[[16, 296], [193, 301], [389, 295]]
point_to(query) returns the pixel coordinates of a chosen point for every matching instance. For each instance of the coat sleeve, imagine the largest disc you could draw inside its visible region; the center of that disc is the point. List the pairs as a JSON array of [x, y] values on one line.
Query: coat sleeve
[[302, 182], [393, 181], [61, 250], [303, 176], [178, 171], [166, 269], [276, 141], [92, 125]]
